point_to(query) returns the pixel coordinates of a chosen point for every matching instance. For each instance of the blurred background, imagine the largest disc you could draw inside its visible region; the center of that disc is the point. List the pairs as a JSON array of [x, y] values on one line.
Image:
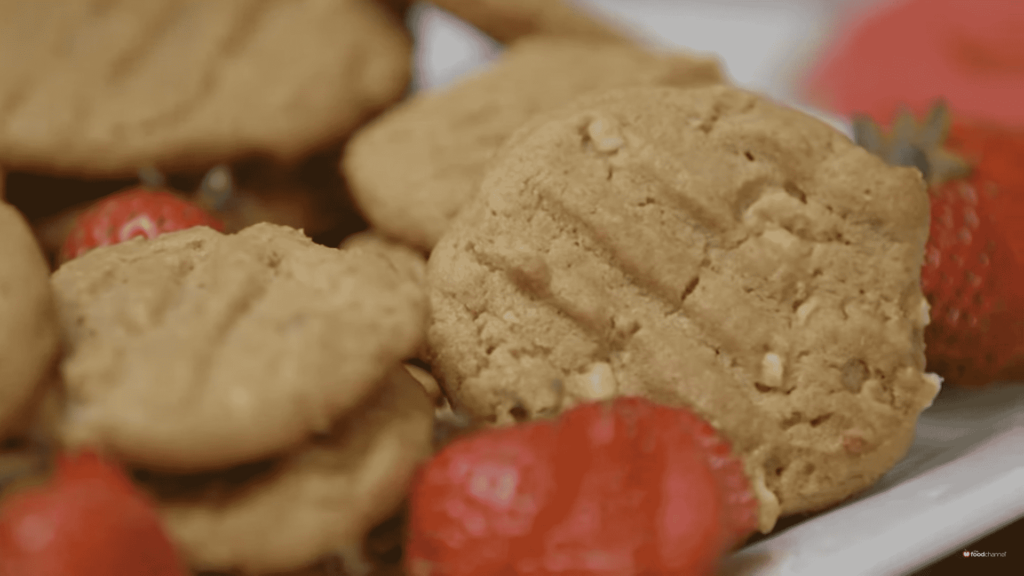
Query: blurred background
[[779, 36], [766, 45]]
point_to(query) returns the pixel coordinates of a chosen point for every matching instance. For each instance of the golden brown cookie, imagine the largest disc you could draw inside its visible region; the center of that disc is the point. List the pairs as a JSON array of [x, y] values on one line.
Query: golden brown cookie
[[28, 324], [412, 169], [701, 247], [510, 20], [102, 88], [323, 499], [399, 7], [198, 349]]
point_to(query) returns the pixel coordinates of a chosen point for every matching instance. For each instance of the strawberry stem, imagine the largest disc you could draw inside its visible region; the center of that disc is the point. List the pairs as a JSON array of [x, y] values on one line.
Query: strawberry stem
[[216, 189], [915, 144], [151, 177]]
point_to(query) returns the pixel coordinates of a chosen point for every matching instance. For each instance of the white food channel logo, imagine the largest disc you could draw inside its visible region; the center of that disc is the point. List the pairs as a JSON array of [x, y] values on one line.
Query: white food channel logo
[[976, 554]]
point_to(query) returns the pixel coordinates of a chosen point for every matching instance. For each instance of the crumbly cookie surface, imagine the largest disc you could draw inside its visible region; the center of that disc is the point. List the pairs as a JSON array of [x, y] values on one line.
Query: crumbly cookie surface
[[28, 322], [442, 141], [701, 247], [101, 88], [321, 500], [198, 350], [510, 20]]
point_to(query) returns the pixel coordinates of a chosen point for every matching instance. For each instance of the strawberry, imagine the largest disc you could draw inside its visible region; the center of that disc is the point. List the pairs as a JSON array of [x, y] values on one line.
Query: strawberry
[[139, 211], [89, 520], [910, 52], [628, 487], [972, 274], [997, 156]]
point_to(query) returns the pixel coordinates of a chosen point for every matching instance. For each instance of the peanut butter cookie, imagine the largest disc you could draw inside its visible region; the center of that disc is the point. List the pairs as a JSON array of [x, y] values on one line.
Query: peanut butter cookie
[[701, 247], [510, 20], [98, 88], [441, 141], [198, 350], [320, 500], [28, 323]]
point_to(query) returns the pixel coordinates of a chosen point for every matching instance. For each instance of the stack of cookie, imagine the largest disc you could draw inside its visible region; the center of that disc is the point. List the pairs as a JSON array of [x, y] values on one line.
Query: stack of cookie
[[586, 218], [254, 381]]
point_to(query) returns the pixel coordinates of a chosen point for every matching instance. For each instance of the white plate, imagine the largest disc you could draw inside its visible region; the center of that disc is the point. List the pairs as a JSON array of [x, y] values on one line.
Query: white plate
[[963, 478], [964, 475]]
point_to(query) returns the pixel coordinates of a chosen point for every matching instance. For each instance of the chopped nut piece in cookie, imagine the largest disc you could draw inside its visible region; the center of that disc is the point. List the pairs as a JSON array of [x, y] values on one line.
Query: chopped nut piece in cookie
[[596, 383]]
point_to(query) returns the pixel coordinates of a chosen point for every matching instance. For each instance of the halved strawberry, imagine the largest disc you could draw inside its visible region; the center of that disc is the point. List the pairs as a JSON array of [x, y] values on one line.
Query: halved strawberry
[[89, 520], [627, 487]]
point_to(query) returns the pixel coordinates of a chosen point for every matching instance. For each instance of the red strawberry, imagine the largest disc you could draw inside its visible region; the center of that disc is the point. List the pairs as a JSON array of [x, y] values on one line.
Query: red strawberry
[[629, 487], [996, 154], [89, 520], [972, 274], [134, 212], [910, 52]]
